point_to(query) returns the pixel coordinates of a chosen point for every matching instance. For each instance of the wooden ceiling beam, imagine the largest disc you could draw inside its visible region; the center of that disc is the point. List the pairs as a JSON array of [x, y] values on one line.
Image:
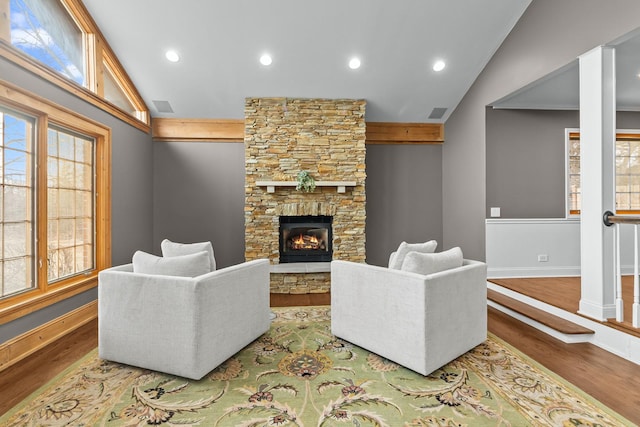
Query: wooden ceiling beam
[[232, 130], [404, 133], [212, 130]]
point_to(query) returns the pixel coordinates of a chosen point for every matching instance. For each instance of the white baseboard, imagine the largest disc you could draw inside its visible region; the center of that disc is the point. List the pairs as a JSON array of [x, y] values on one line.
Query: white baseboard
[[509, 272], [553, 271]]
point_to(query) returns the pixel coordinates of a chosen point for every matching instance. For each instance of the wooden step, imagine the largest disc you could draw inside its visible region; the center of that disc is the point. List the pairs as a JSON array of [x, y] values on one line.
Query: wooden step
[[554, 322]]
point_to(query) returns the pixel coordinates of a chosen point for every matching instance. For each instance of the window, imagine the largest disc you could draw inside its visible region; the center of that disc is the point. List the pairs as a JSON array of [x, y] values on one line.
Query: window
[[44, 30], [627, 172], [114, 91], [59, 41], [17, 208], [54, 203], [70, 193]]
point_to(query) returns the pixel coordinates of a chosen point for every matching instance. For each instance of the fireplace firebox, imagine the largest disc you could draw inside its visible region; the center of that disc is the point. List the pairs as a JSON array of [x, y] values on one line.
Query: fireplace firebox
[[305, 238]]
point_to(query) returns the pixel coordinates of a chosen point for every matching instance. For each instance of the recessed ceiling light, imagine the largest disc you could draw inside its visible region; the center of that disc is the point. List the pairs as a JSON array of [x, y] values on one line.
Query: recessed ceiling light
[[439, 65], [172, 56], [354, 63], [266, 59]]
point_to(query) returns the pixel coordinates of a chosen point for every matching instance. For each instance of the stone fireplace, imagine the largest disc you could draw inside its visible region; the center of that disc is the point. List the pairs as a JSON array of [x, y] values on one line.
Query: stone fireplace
[[325, 137]]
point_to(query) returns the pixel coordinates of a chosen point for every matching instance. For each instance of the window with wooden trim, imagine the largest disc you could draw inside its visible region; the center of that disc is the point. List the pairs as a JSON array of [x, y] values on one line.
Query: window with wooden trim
[[44, 30], [17, 202], [54, 202], [115, 92], [59, 41], [627, 172]]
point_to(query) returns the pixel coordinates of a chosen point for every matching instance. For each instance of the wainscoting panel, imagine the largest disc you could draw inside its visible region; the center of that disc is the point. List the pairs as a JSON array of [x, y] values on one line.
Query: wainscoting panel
[[519, 247]]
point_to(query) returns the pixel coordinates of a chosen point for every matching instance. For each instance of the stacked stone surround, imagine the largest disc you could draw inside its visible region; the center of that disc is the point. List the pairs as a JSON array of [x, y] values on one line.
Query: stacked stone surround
[[325, 137]]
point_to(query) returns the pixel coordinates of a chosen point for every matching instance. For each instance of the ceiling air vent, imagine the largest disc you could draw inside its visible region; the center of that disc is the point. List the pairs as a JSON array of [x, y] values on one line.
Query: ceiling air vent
[[163, 106], [436, 113]]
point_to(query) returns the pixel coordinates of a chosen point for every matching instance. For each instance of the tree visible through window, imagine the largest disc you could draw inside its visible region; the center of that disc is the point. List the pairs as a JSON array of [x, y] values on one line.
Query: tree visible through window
[[44, 30], [55, 223], [60, 42], [627, 172], [69, 204], [17, 201], [70, 192]]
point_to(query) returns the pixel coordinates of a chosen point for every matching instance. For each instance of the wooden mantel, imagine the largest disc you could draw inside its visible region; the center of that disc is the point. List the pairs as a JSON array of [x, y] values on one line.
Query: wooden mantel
[[341, 186], [232, 130]]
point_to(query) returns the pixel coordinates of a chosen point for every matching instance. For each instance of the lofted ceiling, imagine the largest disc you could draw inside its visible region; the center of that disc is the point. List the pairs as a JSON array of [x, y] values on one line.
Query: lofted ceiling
[[560, 90], [220, 43]]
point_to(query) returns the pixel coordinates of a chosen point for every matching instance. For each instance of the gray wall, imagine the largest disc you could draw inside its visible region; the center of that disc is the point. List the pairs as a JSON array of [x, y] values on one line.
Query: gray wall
[[199, 196], [628, 120], [404, 197], [131, 190], [526, 160], [549, 35]]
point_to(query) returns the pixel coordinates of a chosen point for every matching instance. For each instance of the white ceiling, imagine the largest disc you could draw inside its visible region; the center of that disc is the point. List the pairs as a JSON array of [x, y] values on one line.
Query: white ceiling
[[220, 42], [560, 90]]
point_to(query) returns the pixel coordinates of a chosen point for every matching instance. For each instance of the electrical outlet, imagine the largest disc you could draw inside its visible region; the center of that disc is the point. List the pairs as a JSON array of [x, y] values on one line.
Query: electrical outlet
[[543, 258]]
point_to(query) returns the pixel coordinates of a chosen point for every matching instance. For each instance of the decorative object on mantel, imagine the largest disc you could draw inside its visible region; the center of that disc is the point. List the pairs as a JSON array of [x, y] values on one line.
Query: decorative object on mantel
[[306, 182]]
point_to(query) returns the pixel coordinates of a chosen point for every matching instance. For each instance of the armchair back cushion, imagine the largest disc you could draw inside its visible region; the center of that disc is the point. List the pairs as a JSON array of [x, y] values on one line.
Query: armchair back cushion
[[397, 258], [426, 263], [171, 249], [191, 265]]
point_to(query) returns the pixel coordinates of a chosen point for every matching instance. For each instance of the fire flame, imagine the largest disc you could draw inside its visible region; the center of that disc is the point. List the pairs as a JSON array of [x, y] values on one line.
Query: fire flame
[[305, 242], [300, 240]]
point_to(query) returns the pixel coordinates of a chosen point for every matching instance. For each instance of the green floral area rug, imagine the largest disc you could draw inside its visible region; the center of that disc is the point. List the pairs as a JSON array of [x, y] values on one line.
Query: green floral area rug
[[298, 374]]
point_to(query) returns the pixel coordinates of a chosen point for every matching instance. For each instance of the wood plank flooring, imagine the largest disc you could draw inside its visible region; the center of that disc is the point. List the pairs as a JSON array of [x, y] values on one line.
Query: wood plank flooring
[[608, 378], [564, 293], [561, 292], [557, 323]]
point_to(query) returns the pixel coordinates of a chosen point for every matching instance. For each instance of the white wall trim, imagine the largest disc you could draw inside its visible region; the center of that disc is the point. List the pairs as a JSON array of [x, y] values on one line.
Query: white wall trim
[[513, 246], [509, 272]]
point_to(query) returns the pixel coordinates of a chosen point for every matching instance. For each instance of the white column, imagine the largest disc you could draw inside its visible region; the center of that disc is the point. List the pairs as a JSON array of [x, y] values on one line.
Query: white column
[[597, 181]]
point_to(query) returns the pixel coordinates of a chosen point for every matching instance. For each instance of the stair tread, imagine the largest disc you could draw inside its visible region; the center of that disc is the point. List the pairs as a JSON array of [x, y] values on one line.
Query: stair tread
[[557, 323]]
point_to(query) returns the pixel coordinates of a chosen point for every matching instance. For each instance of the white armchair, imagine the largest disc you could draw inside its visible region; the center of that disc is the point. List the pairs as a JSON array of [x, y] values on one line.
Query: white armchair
[[181, 325], [419, 321]]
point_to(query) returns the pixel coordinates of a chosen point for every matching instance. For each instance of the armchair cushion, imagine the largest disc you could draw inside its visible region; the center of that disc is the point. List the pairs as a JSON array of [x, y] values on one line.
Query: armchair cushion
[[426, 263], [190, 265], [395, 261], [171, 249]]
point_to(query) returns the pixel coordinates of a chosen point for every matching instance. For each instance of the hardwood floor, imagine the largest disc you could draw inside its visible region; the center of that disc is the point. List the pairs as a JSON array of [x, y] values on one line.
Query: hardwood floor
[[561, 292], [26, 376], [564, 293], [293, 300], [608, 378]]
